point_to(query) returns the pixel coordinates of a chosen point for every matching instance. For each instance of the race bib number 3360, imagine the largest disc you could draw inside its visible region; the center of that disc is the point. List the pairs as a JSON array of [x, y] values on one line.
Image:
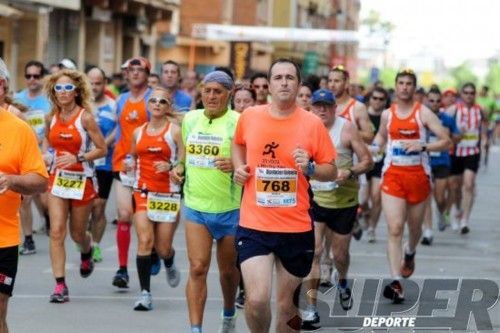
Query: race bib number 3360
[[202, 149], [69, 184], [276, 187]]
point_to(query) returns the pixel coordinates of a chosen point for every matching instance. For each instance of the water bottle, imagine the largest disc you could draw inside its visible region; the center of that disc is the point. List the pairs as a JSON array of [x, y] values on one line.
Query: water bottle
[[127, 178], [129, 162]]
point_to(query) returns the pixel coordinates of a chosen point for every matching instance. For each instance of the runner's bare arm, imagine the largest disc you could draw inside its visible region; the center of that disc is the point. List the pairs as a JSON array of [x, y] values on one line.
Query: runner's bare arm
[[363, 122], [177, 172], [359, 147], [434, 124], [381, 137], [241, 169], [90, 125], [27, 184], [110, 139], [484, 127]]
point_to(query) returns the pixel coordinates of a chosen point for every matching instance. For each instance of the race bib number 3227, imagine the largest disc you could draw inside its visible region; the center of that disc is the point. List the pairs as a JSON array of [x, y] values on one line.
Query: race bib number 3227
[[69, 184]]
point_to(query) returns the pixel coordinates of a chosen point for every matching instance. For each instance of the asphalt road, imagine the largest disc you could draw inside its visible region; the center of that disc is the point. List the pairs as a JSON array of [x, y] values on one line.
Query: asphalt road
[[97, 306]]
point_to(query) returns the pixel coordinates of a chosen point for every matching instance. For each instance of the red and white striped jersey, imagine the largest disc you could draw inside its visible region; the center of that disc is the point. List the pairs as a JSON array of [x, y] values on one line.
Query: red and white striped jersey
[[468, 121]]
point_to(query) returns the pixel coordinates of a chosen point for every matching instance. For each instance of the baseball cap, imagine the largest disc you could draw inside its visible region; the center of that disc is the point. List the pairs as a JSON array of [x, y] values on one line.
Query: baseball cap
[[324, 96], [67, 63], [139, 61], [450, 91]]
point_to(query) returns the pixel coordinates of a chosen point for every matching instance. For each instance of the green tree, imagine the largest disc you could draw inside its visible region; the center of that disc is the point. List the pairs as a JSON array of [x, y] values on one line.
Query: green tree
[[387, 76], [492, 79], [463, 74]]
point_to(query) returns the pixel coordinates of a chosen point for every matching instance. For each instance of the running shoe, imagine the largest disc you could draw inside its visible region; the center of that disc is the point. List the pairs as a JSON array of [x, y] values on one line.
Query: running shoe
[[441, 222], [357, 231], [408, 265], [155, 264], [394, 292], [96, 253], [86, 267], [240, 300], [60, 295], [173, 275], [144, 302], [28, 247], [120, 279], [228, 324], [427, 239], [371, 236], [345, 298], [464, 229], [326, 276], [310, 321]]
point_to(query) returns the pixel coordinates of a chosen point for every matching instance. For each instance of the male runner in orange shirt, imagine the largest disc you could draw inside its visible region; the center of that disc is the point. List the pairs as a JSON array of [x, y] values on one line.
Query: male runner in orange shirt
[[276, 149]]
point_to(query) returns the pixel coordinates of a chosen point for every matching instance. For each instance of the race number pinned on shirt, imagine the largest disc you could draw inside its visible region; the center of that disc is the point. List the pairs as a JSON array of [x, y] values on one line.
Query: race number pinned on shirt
[[36, 119], [163, 207], [100, 162], [401, 157], [470, 139], [318, 186], [276, 187], [203, 149], [69, 184], [432, 139]]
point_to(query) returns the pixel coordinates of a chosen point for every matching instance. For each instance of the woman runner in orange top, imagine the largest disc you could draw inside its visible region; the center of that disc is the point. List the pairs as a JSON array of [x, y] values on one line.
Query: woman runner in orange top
[[156, 146], [71, 131]]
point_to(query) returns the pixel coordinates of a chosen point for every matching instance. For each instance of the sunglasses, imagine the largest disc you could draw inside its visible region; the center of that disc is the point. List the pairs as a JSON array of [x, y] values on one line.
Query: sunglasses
[[32, 76], [378, 98], [264, 86], [434, 101], [64, 87], [137, 69], [339, 68], [468, 92], [162, 101]]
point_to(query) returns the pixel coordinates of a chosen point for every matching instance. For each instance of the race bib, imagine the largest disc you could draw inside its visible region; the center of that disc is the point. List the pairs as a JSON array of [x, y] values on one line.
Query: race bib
[[276, 187], [36, 119], [434, 154], [69, 184], [318, 186], [163, 207], [470, 139], [100, 162], [402, 158], [203, 149], [127, 180]]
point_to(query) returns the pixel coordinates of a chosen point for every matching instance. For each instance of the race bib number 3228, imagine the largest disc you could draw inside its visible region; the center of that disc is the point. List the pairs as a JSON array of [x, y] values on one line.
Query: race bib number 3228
[[276, 187]]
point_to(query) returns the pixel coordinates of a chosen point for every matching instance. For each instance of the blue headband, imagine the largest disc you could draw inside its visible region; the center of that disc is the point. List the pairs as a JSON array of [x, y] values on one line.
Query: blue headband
[[221, 78]]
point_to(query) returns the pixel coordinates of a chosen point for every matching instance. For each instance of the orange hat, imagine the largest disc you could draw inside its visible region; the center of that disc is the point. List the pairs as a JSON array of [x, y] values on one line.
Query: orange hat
[[139, 61], [450, 91]]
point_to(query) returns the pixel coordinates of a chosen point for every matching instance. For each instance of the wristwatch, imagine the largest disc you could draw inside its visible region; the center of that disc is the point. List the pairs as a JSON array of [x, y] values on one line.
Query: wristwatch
[[311, 167], [352, 175], [80, 157], [424, 148]]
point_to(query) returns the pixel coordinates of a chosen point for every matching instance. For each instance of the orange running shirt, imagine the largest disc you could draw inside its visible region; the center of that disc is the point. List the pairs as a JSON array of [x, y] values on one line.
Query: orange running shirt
[[150, 149], [399, 131], [133, 115], [19, 155], [71, 137], [276, 195]]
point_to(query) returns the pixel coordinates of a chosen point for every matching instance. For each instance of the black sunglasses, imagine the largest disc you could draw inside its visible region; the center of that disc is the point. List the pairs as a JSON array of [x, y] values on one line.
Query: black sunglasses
[[378, 98], [32, 76]]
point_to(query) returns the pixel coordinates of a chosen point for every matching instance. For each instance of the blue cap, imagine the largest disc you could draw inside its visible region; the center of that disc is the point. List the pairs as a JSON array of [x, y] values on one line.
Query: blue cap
[[324, 96]]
